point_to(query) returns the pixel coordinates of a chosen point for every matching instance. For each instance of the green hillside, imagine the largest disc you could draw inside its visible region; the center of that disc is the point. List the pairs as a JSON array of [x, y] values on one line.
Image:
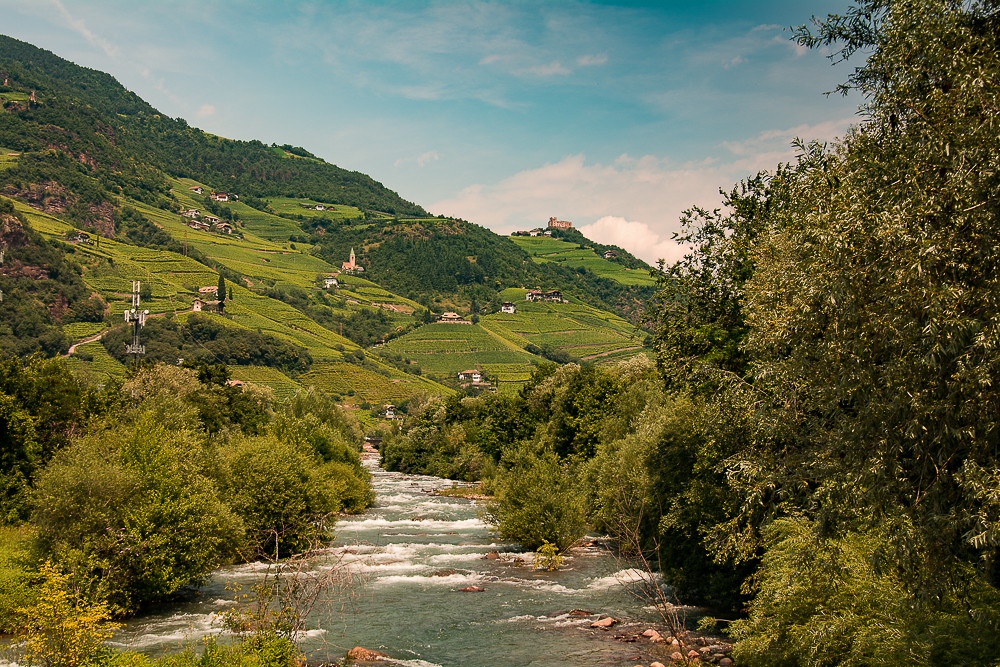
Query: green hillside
[[545, 249], [506, 347], [120, 193]]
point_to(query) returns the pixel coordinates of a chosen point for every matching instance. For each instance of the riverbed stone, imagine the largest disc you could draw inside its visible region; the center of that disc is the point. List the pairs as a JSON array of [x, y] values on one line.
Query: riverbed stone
[[493, 555], [604, 623], [677, 656], [444, 573], [656, 664], [360, 654], [726, 662], [471, 589]]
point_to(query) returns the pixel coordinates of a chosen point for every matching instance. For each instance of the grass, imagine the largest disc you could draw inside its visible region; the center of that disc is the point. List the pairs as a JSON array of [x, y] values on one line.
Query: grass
[[18, 575]]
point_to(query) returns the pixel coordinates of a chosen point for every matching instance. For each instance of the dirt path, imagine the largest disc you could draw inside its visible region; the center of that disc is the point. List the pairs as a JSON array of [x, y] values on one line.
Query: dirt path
[[89, 339], [99, 336], [604, 354]]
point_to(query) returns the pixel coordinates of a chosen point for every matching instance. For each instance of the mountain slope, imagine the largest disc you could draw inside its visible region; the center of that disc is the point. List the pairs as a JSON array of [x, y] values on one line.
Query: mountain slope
[[79, 152]]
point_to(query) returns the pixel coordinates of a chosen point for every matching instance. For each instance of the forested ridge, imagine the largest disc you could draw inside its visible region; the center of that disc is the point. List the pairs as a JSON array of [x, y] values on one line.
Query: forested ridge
[[449, 256], [119, 143]]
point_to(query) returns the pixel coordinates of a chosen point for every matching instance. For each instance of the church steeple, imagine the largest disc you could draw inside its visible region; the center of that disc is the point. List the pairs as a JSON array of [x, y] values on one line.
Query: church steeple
[[352, 257]]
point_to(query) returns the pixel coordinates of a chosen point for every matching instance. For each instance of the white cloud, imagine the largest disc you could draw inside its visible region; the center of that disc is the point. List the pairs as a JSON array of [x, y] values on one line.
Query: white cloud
[[598, 59], [637, 201], [771, 140], [733, 62], [631, 235], [421, 160], [80, 26], [553, 67], [206, 110]]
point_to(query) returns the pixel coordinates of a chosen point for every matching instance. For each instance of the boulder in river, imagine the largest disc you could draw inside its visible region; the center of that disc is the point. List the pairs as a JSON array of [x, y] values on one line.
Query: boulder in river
[[604, 623], [444, 573], [471, 589], [493, 555], [359, 654]]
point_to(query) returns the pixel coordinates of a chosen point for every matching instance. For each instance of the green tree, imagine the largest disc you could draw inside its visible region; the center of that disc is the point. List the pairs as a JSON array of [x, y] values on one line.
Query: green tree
[[19, 454], [538, 501], [128, 509], [873, 308], [221, 289]]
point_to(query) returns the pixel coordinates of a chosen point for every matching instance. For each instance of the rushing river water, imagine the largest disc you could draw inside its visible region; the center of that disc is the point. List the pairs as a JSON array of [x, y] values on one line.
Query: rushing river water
[[523, 617]]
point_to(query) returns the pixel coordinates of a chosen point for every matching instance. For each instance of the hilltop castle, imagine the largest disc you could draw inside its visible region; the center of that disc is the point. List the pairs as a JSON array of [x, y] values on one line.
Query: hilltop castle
[[559, 224]]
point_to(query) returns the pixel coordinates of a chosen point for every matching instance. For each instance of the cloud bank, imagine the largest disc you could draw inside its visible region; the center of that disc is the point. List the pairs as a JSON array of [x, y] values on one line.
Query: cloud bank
[[634, 203]]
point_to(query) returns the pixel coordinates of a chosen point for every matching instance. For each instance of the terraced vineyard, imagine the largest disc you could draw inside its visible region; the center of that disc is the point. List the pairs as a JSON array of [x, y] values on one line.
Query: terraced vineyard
[[545, 249], [175, 281], [370, 386], [281, 384]]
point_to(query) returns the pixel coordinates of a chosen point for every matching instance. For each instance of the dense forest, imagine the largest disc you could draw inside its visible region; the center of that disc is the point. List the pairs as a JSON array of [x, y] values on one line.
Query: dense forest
[[200, 340], [85, 129], [139, 488], [40, 290], [420, 258], [818, 445]]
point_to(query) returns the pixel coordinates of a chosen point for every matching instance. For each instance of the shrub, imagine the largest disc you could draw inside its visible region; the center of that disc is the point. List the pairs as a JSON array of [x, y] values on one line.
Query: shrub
[[64, 630], [128, 509], [536, 502], [285, 497]]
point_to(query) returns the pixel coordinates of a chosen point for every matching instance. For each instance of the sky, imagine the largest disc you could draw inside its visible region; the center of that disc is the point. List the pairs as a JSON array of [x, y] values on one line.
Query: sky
[[616, 116]]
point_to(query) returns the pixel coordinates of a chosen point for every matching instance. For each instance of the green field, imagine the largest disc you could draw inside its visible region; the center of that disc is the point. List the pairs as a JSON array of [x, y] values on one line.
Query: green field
[[545, 249], [306, 207]]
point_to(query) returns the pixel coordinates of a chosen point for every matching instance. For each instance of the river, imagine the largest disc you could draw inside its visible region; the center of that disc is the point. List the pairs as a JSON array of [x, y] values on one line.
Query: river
[[522, 617]]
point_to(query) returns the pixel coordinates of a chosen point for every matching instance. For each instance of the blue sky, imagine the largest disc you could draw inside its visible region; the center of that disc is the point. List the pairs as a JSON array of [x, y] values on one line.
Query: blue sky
[[614, 115]]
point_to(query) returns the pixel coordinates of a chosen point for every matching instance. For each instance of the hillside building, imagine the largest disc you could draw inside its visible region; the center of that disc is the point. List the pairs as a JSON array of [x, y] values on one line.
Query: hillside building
[[554, 296], [559, 224], [351, 266], [508, 307], [471, 375], [452, 318], [208, 307]]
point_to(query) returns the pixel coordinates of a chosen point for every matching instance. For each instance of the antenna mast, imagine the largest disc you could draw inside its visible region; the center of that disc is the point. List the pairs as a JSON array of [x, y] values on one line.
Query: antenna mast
[[137, 318]]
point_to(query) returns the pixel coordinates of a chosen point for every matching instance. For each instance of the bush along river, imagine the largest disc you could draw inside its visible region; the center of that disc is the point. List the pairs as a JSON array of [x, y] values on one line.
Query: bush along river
[[412, 555]]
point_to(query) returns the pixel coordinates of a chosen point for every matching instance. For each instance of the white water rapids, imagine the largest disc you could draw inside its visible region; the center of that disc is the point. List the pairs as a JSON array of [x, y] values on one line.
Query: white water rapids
[[521, 618]]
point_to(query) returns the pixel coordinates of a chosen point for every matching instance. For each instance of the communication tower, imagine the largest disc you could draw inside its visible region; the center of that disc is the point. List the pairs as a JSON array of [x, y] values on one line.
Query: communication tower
[[137, 318]]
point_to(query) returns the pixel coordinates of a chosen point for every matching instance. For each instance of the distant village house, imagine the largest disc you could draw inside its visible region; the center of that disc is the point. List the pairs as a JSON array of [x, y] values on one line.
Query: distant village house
[[208, 307], [610, 254], [508, 307], [79, 237], [196, 189], [537, 295], [452, 318]]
